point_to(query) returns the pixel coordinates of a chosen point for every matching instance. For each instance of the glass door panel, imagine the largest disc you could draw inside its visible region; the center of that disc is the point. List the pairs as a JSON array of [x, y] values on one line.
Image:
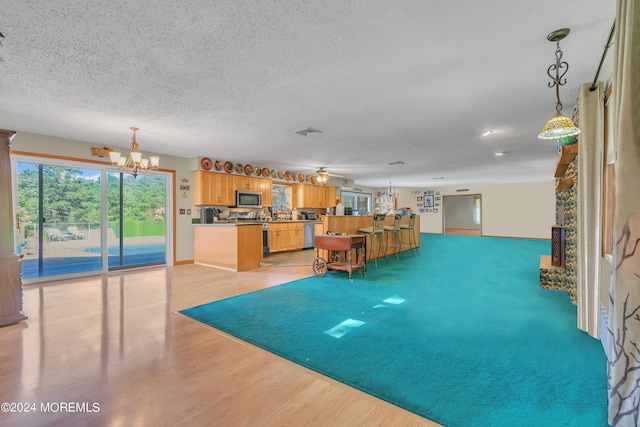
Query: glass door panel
[[58, 219], [136, 212]]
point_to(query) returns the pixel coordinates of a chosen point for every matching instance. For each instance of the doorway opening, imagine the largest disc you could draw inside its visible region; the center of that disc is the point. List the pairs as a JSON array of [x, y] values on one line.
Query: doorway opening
[[462, 215]]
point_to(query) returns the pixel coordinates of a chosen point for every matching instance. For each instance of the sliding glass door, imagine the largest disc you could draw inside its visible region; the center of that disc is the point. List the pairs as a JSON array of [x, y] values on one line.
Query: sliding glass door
[[71, 223], [59, 219], [136, 213]]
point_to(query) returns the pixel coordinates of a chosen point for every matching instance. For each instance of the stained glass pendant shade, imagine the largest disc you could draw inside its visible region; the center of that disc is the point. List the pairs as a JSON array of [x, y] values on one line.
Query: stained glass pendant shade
[[559, 126]]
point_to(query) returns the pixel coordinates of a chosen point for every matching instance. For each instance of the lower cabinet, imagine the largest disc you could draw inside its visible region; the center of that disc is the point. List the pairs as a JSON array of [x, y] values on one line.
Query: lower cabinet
[[286, 236]]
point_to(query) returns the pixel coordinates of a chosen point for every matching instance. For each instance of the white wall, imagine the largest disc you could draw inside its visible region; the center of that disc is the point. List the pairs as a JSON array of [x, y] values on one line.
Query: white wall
[[183, 167], [524, 210]]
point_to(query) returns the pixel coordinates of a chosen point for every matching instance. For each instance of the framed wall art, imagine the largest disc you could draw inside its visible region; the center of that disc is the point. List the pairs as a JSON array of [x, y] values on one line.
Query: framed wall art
[[428, 200]]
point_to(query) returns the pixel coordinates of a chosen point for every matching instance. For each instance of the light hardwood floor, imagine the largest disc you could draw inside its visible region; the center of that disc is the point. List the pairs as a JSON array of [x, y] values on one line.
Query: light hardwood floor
[[462, 232], [118, 341]]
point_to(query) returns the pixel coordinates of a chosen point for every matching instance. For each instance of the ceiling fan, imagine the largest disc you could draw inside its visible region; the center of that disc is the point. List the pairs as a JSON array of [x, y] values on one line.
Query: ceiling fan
[[323, 176], [322, 171]]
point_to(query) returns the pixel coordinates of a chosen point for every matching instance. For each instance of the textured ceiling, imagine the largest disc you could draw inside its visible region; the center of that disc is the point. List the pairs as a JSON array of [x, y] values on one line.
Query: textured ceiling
[[413, 81]]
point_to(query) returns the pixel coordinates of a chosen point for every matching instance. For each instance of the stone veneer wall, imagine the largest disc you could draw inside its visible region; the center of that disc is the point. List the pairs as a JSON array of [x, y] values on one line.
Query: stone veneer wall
[[566, 278]]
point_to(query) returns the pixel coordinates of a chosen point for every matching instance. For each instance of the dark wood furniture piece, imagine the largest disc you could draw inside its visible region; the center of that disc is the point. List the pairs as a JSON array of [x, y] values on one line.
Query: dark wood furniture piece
[[557, 246], [341, 243]]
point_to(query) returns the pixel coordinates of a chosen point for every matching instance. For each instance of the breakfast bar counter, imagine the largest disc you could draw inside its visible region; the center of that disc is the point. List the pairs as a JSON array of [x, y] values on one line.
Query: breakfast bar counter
[[350, 224], [228, 245]]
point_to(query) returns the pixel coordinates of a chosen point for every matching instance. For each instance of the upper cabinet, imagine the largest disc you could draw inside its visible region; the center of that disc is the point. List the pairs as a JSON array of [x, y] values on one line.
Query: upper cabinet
[[211, 188], [217, 189], [329, 197], [267, 192], [313, 196], [248, 184]]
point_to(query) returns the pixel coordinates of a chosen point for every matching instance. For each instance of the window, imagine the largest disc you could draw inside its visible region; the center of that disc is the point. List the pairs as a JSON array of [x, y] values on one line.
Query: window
[[609, 208], [281, 198], [360, 203], [609, 184], [476, 209]]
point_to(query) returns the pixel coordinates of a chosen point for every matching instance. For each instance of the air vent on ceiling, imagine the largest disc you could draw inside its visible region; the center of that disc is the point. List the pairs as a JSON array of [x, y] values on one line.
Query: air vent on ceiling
[[397, 162], [308, 131]]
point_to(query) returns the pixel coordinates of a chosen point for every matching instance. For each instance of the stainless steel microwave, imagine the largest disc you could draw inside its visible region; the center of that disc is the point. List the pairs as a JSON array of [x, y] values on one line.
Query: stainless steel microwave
[[248, 199]]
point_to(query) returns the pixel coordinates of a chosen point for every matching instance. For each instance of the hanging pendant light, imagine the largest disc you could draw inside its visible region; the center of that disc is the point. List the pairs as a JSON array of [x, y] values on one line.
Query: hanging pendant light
[[134, 163], [559, 126]]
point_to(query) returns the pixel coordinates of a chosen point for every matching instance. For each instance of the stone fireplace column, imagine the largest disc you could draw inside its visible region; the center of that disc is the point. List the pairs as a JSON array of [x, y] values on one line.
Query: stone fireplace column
[[10, 277]]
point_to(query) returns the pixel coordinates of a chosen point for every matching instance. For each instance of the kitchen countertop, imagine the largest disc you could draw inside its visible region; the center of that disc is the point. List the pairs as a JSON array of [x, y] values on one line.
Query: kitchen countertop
[[279, 221], [229, 223]]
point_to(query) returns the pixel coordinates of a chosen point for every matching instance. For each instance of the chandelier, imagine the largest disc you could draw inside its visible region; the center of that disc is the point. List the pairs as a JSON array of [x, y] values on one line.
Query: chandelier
[[559, 126], [391, 191], [134, 163]]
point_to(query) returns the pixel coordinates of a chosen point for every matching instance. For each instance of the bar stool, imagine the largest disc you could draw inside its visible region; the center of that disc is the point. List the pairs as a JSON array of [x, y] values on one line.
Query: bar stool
[[376, 234], [412, 237], [393, 231]]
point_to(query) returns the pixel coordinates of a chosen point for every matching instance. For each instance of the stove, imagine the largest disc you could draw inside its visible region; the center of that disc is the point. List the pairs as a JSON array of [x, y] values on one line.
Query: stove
[[243, 215]]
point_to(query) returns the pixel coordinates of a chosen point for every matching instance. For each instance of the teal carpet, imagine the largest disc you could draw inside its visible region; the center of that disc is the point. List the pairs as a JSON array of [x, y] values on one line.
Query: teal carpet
[[461, 334]]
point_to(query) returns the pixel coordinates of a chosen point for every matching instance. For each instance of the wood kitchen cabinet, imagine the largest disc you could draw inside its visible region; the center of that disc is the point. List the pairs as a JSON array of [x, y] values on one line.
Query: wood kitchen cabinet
[[313, 196], [266, 187], [247, 183], [329, 197], [286, 236], [210, 188], [277, 237], [296, 234]]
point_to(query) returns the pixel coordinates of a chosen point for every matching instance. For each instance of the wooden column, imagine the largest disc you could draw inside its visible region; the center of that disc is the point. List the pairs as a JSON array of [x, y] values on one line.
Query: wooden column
[[10, 277]]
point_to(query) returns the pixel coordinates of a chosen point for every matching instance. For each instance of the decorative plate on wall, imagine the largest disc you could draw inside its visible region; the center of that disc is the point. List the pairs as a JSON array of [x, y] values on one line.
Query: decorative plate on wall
[[274, 174], [217, 165], [266, 172], [248, 170], [206, 163], [239, 168], [281, 174], [300, 177], [312, 179], [228, 167], [257, 171]]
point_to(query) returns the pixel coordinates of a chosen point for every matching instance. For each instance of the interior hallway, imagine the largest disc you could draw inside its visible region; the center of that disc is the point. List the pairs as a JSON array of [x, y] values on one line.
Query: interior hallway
[[118, 341]]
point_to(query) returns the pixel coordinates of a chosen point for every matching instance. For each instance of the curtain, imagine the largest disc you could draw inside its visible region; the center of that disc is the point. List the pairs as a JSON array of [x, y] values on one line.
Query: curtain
[[623, 331], [589, 240]]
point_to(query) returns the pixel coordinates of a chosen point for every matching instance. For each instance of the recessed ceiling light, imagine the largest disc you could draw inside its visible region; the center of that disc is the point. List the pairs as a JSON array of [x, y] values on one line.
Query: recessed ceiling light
[[499, 154], [487, 133]]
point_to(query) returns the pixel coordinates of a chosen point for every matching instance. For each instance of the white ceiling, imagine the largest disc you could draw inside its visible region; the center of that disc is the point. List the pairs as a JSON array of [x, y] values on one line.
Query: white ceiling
[[415, 81]]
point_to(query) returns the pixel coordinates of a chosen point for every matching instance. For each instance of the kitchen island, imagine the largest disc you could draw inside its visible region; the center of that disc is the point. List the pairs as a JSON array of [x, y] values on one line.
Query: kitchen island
[[235, 246]]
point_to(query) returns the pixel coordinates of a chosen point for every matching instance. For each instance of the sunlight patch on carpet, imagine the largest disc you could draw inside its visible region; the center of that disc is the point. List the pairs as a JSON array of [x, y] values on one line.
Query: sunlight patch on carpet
[[344, 328], [396, 300]]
